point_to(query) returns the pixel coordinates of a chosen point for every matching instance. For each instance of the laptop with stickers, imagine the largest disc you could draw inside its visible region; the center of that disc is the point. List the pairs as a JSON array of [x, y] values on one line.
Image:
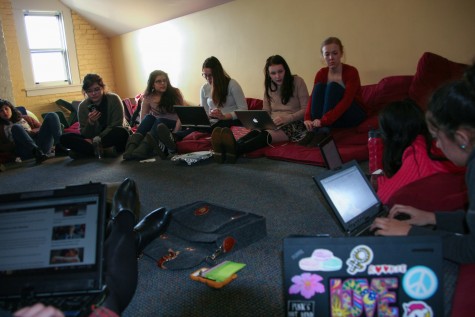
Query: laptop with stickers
[[194, 117], [357, 276], [256, 120], [351, 197], [52, 248], [330, 153]]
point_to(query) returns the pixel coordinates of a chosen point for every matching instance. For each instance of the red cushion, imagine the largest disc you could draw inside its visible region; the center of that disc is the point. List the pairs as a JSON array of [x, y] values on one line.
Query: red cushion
[[73, 128], [432, 72], [254, 104], [392, 88], [438, 192], [463, 304]]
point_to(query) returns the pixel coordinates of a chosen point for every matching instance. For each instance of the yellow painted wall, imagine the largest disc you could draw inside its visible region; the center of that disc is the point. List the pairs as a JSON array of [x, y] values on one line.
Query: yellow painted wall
[[381, 38], [92, 50]]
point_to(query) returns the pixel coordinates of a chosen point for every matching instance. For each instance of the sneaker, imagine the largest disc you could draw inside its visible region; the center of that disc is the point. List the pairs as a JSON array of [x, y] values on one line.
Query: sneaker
[[40, 157], [158, 147], [166, 137]]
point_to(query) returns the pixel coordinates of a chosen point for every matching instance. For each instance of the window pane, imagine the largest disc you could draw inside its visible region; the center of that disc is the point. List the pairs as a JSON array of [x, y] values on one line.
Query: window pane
[[48, 67], [43, 31]]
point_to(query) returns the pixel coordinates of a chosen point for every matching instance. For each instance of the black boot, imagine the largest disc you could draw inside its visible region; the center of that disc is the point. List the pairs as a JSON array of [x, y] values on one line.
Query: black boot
[[257, 142], [249, 136], [126, 197], [40, 157], [151, 227]]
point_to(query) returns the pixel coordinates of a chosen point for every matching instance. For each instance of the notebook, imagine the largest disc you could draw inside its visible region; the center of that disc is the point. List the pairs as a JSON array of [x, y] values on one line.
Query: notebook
[[52, 248], [330, 153], [194, 116], [256, 119], [351, 198], [357, 276]]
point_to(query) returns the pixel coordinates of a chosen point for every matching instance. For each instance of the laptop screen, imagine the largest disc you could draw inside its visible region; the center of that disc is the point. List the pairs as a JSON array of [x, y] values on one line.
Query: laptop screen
[[55, 235], [348, 192], [330, 153]]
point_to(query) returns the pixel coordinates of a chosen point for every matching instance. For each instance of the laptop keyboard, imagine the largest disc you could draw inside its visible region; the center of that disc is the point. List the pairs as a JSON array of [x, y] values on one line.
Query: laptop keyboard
[[71, 306]]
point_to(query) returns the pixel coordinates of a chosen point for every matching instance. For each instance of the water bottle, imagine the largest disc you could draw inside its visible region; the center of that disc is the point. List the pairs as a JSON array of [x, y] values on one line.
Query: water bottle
[[375, 149]]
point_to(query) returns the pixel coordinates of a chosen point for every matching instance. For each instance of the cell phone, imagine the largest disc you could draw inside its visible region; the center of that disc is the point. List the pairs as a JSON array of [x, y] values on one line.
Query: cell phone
[[92, 107]]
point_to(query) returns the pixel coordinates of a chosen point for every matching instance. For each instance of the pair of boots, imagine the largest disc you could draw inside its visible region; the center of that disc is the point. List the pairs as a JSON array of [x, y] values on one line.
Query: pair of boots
[[225, 146], [126, 199], [140, 147]]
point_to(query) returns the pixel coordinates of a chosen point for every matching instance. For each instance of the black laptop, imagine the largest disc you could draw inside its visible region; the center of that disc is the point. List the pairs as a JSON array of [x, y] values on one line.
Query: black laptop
[[330, 153], [351, 198], [363, 276], [52, 248], [194, 117], [256, 120]]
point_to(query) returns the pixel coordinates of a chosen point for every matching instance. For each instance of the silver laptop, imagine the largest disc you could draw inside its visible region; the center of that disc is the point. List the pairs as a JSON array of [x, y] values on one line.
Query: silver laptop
[[256, 120], [52, 248], [351, 198], [194, 116]]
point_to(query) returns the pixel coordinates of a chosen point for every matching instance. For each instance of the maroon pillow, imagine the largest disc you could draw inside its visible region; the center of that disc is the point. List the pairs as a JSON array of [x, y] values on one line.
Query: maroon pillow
[[432, 72], [254, 104], [438, 192]]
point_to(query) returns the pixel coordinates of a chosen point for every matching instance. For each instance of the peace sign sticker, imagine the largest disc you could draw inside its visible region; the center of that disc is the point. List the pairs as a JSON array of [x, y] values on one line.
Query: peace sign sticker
[[420, 282]]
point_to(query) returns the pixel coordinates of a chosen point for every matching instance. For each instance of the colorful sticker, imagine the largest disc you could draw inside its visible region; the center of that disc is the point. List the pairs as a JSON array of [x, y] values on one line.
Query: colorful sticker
[[297, 308], [307, 285], [420, 282], [360, 257], [380, 269], [417, 309], [321, 260]]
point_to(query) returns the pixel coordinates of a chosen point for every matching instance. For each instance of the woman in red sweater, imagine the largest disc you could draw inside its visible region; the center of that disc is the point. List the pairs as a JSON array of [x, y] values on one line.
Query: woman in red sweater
[[336, 100], [409, 153]]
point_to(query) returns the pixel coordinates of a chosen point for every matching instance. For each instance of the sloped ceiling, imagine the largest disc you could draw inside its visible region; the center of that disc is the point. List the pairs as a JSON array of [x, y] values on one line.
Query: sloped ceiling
[[116, 17]]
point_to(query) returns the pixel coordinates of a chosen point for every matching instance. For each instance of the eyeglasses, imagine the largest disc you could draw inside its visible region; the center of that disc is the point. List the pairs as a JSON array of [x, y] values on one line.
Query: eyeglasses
[[207, 75], [93, 91], [160, 81]]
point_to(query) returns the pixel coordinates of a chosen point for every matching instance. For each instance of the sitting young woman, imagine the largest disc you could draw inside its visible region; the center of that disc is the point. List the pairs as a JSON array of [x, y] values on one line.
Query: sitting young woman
[[157, 118], [285, 99], [336, 100], [409, 153], [451, 121], [24, 137], [221, 95], [103, 128]]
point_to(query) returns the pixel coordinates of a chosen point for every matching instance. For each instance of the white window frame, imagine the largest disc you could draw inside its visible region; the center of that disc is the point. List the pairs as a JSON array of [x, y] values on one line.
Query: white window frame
[[32, 88]]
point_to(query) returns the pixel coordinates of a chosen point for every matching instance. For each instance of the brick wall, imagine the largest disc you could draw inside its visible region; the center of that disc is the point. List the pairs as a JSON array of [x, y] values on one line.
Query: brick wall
[[93, 54]]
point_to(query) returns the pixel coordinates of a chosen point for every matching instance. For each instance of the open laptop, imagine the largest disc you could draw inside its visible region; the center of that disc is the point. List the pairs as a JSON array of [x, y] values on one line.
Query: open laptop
[[256, 119], [363, 276], [351, 198], [194, 117], [52, 248], [330, 153]]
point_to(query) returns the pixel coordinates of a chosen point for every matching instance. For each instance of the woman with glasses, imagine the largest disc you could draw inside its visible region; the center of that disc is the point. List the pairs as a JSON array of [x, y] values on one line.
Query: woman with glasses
[[157, 119], [221, 95], [103, 128]]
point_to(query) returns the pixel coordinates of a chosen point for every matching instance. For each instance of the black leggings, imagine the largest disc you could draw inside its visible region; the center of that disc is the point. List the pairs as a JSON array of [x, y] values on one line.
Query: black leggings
[[117, 137]]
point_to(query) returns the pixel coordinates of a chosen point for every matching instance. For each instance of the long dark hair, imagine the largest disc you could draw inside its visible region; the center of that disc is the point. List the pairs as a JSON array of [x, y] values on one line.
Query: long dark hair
[[16, 115], [172, 96], [221, 80], [453, 105], [286, 91], [400, 123]]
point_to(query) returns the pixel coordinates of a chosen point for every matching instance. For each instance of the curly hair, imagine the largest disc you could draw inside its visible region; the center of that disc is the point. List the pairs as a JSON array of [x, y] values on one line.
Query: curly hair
[[172, 96], [91, 79]]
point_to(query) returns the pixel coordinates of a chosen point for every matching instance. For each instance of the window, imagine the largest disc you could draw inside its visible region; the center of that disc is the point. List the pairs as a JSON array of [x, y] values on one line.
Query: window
[[47, 49]]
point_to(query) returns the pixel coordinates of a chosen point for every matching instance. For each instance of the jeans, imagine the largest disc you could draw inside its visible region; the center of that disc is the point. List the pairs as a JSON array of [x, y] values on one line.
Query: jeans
[[150, 122], [326, 96], [47, 136]]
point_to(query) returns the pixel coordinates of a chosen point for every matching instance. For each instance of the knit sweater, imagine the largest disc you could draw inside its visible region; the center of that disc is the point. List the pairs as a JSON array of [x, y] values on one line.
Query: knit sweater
[[235, 99], [416, 164], [351, 80], [457, 228], [294, 109]]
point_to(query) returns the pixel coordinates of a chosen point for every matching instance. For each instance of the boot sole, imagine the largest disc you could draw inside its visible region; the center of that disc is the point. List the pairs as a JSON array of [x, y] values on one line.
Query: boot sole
[[229, 144]]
